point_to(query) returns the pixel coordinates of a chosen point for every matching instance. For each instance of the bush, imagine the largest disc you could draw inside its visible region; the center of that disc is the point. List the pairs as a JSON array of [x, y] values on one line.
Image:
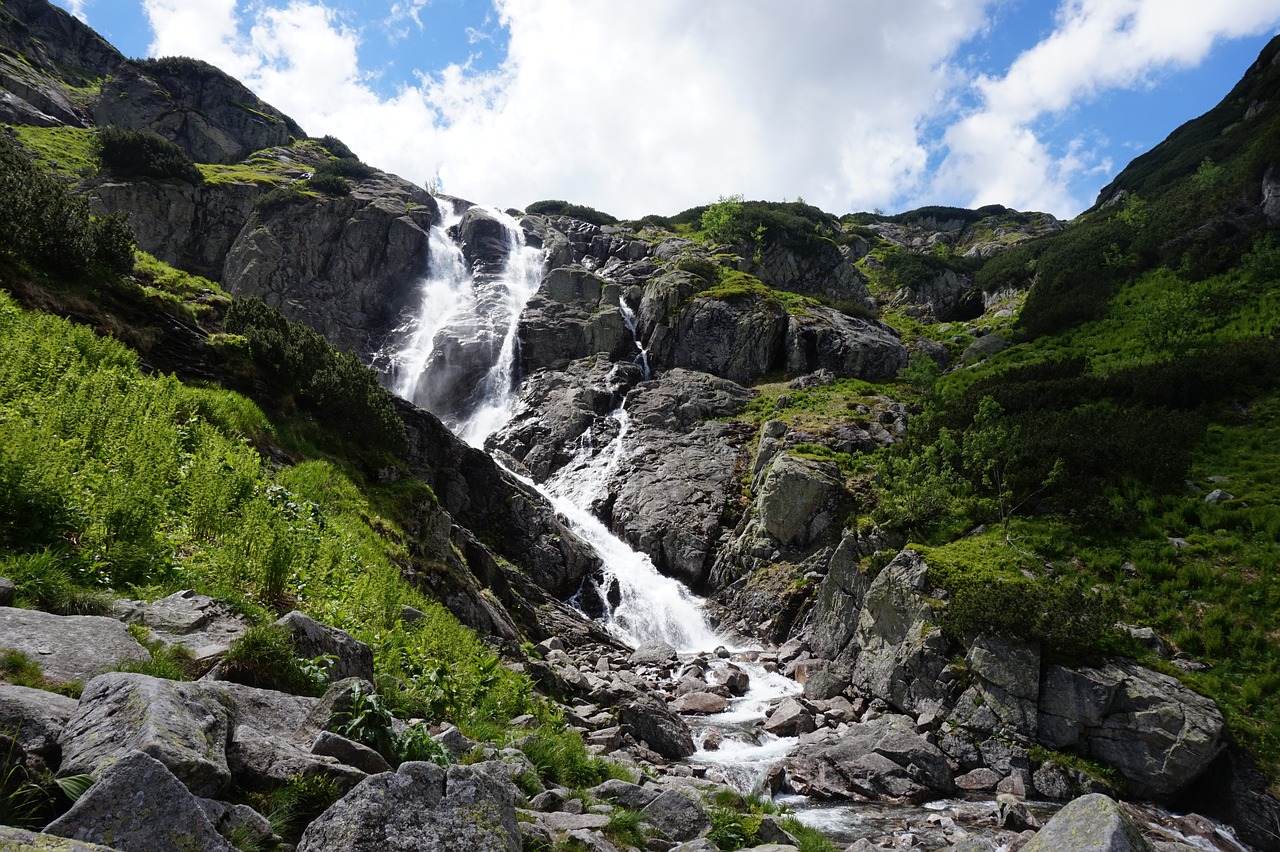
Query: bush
[[329, 184], [345, 167], [265, 657], [278, 199], [141, 153], [337, 148], [556, 207], [47, 226]]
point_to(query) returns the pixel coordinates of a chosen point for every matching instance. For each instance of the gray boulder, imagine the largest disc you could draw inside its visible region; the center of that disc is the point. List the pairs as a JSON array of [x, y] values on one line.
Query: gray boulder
[[652, 722], [68, 647], [352, 658], [903, 651], [739, 337], [35, 719], [884, 759], [676, 816], [573, 315], [137, 805], [202, 625], [839, 604], [20, 840], [1092, 823], [790, 718], [984, 347], [797, 499], [239, 823], [624, 794], [1156, 732], [419, 808], [700, 703], [350, 753], [1001, 698], [183, 725]]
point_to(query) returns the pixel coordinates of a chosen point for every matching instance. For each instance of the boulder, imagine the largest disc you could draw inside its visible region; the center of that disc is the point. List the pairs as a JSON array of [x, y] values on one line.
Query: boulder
[[700, 703], [654, 653], [352, 658], [902, 649], [1091, 823], [202, 625], [797, 499], [739, 337], [676, 816], [1156, 732], [624, 794], [137, 805], [35, 719], [239, 824], [69, 647], [790, 718], [883, 759], [419, 808], [183, 725], [839, 604], [20, 840], [350, 753], [984, 347], [573, 315], [1002, 696], [649, 720]]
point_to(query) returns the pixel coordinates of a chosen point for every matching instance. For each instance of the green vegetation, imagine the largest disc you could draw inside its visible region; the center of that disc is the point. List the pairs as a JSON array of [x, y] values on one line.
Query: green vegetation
[[555, 207], [48, 227], [65, 151], [141, 153]]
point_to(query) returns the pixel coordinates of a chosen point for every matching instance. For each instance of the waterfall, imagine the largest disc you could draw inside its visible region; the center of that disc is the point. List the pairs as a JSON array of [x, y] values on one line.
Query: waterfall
[[641, 604], [629, 317]]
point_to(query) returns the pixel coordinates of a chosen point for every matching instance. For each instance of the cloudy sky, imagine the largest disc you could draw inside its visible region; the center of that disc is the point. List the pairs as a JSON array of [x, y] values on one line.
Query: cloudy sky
[[653, 106]]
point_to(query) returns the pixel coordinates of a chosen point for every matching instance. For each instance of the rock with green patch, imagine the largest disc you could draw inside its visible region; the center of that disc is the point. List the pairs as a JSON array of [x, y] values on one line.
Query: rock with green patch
[[797, 499], [35, 719], [68, 647], [137, 805], [1092, 823], [185, 726], [20, 840], [850, 347], [422, 807], [1001, 699]]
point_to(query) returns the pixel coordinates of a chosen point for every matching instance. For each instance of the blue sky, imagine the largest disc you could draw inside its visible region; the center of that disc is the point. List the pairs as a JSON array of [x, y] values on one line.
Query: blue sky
[[652, 106]]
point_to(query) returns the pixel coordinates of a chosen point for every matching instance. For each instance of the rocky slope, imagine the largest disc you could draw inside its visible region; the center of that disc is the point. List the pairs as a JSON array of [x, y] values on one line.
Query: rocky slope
[[738, 389]]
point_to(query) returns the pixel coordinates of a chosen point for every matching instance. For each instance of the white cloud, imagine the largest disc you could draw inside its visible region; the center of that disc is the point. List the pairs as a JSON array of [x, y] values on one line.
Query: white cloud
[[643, 106], [77, 8], [996, 155]]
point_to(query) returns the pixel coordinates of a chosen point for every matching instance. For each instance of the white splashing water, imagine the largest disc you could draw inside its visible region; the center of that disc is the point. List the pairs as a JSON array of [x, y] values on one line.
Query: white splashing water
[[520, 279], [445, 293]]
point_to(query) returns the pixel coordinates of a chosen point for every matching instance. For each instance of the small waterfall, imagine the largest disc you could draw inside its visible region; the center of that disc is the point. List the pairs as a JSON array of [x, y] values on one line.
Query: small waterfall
[[629, 317]]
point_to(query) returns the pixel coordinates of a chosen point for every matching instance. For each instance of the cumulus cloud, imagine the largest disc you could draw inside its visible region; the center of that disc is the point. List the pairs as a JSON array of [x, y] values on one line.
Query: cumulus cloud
[[996, 155], [643, 106]]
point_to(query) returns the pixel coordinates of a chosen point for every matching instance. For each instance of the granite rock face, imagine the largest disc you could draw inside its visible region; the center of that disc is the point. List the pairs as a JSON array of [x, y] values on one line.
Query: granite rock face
[[74, 647]]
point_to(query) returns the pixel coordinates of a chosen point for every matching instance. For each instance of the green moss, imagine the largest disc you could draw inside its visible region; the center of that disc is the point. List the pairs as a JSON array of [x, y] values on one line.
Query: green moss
[[63, 150]]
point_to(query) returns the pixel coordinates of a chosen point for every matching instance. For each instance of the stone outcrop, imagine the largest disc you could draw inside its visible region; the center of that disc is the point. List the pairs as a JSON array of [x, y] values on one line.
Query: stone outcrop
[[137, 805], [821, 338], [204, 627], [574, 314], [205, 111], [422, 807], [68, 648]]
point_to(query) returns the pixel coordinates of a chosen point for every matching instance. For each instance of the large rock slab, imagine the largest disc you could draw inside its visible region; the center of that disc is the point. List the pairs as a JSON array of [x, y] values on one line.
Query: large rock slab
[[1005, 687], [902, 649], [676, 816], [798, 498], [1092, 823], [352, 658], [882, 760], [824, 339], [421, 807], [68, 647], [137, 805], [1156, 732], [183, 725], [664, 731]]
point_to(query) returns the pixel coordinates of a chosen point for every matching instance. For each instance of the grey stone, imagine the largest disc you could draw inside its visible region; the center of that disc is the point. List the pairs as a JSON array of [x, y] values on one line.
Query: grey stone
[[984, 347], [981, 778], [790, 718], [1051, 782], [68, 647], [422, 807], [796, 499], [1006, 684], [351, 753], [624, 794], [200, 624], [239, 823], [183, 725], [651, 721], [562, 821], [35, 719], [137, 805], [700, 703], [353, 658], [20, 840], [676, 816], [653, 654], [1218, 495], [1091, 823], [7, 589], [1157, 733]]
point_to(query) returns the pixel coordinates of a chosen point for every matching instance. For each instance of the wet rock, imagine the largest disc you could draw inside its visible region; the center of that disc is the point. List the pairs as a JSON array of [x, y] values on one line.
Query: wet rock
[[653, 654], [183, 725], [1089, 823], [68, 647], [419, 808], [137, 805], [700, 703]]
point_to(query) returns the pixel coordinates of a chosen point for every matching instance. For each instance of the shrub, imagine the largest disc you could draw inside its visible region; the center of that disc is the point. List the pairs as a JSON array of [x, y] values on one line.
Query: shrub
[[337, 148], [366, 720], [292, 807], [345, 167], [278, 199], [329, 184], [556, 207], [416, 743], [265, 657], [141, 153]]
